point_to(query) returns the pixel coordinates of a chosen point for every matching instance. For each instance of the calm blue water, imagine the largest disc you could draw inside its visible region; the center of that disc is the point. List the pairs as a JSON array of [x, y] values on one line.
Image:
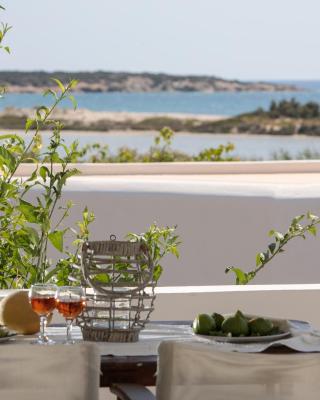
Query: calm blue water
[[247, 147], [223, 103], [228, 103]]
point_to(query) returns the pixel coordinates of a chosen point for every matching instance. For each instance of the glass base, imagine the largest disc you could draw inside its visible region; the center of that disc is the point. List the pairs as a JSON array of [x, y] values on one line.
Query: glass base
[[43, 341], [68, 342]]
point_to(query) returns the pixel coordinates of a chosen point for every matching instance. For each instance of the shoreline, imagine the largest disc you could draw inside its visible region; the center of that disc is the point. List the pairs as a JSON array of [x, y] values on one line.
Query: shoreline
[[87, 116], [84, 120]]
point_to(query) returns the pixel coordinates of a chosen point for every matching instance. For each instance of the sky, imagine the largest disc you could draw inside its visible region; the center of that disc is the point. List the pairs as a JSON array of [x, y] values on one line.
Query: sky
[[234, 39]]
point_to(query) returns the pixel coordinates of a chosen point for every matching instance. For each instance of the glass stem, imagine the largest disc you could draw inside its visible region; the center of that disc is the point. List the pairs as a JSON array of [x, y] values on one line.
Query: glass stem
[[43, 324], [69, 330]]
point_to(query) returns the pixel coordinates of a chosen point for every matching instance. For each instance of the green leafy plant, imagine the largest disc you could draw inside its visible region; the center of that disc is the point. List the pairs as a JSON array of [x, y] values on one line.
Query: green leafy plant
[[4, 29], [3, 32], [160, 151], [160, 241], [68, 270], [28, 227], [220, 153], [295, 230]]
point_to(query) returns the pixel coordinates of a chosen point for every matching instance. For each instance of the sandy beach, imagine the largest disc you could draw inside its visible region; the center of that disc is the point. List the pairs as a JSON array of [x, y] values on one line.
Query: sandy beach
[[88, 117]]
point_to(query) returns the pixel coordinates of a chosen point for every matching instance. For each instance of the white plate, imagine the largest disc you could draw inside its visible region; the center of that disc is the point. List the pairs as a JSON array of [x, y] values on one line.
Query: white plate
[[246, 339], [6, 338]]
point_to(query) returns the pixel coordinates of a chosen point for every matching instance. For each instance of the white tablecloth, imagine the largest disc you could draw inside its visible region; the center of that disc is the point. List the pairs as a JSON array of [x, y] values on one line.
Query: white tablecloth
[[150, 339], [155, 333]]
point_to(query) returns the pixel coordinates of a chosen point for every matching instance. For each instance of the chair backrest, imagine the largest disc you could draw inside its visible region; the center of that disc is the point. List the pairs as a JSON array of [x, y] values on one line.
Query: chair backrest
[[49, 372], [193, 371]]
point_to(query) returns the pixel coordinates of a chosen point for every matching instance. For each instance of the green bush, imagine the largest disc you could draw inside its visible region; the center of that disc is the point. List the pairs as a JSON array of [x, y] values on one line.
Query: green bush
[[160, 151]]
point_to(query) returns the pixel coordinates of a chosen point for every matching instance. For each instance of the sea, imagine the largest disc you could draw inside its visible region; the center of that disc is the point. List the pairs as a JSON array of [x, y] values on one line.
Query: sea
[[222, 103]]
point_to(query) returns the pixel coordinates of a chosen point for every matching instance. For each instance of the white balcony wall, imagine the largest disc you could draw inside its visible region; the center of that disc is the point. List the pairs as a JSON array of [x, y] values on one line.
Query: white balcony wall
[[223, 217]]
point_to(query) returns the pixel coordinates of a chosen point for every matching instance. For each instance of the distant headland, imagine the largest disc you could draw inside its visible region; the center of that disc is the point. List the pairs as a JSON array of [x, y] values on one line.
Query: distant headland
[[101, 81]]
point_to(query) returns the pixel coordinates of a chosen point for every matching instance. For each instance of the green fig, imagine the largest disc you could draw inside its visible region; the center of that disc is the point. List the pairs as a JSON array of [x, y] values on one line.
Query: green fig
[[203, 324], [218, 318], [240, 314], [236, 325], [260, 326]]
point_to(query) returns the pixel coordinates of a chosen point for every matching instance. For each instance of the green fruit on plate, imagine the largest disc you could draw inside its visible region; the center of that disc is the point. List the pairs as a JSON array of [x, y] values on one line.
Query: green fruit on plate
[[236, 325], [203, 324], [218, 319], [240, 314], [260, 326]]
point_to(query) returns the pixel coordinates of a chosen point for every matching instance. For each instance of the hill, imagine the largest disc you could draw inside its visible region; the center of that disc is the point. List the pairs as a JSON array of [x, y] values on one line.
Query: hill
[[101, 81]]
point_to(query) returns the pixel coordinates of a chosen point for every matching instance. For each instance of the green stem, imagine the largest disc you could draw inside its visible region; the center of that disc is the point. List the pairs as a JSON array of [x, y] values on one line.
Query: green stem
[[55, 104], [282, 244]]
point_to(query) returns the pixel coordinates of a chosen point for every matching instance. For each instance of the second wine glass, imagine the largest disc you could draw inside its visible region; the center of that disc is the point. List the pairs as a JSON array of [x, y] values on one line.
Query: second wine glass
[[70, 302]]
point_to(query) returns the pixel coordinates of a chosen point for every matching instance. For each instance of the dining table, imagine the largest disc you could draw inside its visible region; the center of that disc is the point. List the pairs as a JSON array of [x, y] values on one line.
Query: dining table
[[136, 362]]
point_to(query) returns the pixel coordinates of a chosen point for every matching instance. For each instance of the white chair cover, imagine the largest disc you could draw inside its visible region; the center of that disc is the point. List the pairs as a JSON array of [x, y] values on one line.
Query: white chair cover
[[193, 371], [31, 372]]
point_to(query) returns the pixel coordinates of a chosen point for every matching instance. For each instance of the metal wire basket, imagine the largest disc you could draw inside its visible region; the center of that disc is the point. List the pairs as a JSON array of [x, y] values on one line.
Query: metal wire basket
[[119, 289]]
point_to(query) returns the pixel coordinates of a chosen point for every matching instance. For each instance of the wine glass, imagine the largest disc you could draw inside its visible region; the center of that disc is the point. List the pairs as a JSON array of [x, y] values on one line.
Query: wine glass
[[70, 302], [43, 302]]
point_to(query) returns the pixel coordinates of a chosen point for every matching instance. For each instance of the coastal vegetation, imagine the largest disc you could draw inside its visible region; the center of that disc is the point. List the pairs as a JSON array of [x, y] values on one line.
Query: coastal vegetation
[[103, 81], [290, 109], [160, 151], [306, 154], [286, 117]]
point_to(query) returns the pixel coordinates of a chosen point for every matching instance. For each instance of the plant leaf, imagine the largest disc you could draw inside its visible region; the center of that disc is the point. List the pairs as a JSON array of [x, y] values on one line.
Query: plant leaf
[[29, 123], [44, 172], [50, 92], [272, 247], [313, 230], [312, 216], [260, 257], [29, 211], [73, 101], [241, 277], [59, 83], [6, 158], [56, 239], [279, 236], [297, 219]]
